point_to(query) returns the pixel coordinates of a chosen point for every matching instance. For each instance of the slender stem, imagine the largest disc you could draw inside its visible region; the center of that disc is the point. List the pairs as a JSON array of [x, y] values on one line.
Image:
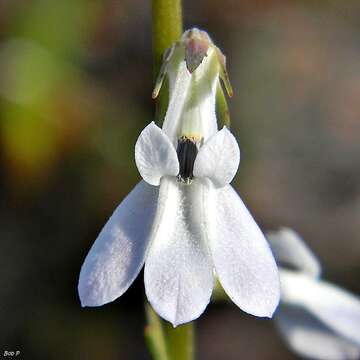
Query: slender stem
[[165, 342], [180, 341], [155, 336], [166, 28]]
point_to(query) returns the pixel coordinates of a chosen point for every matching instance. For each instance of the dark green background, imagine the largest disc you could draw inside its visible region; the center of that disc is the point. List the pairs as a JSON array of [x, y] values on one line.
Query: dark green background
[[75, 91]]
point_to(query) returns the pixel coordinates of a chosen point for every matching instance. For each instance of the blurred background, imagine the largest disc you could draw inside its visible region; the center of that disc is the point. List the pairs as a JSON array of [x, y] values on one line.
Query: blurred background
[[75, 91]]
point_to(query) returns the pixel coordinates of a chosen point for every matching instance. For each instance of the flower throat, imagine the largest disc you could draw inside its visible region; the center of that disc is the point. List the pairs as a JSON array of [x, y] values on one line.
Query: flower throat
[[186, 152]]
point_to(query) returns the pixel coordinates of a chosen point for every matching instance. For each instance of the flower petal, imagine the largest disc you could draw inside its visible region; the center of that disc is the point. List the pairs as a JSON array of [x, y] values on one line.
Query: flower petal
[[178, 269], [179, 84], [155, 156], [218, 159], [309, 337], [290, 250], [118, 253], [191, 110], [335, 307], [243, 260]]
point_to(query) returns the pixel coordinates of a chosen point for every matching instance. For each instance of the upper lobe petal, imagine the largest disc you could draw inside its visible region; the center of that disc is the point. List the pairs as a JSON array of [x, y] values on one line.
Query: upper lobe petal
[[218, 159], [155, 155]]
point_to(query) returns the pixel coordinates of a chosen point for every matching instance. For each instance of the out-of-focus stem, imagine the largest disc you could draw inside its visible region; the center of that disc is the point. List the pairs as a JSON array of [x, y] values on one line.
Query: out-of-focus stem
[[165, 342], [155, 336], [180, 341]]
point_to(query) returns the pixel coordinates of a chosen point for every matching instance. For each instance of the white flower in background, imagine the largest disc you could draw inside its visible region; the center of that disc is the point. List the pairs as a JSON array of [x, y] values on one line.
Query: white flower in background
[[184, 220], [317, 319]]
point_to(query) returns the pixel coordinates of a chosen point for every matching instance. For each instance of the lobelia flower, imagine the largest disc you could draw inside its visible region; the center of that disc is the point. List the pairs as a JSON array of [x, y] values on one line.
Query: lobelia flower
[[184, 220], [317, 319]]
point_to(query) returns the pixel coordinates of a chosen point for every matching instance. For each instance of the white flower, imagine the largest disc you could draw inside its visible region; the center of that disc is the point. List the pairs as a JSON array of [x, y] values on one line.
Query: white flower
[[184, 220], [317, 319]]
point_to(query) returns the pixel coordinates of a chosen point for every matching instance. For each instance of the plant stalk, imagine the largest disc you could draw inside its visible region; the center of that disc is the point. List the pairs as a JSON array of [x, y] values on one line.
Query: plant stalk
[[167, 27]]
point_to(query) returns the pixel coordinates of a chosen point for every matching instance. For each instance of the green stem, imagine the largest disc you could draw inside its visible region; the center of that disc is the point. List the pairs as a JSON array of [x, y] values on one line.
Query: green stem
[[165, 342], [155, 336], [166, 28], [180, 341]]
